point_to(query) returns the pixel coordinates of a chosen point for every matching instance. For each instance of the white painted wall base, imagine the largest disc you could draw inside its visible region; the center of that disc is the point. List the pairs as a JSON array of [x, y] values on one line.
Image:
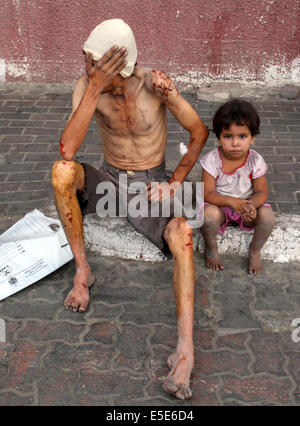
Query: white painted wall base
[[116, 237]]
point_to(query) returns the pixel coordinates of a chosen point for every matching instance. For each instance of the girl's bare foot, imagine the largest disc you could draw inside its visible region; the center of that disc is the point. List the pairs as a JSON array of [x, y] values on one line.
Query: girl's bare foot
[[255, 265], [78, 298], [213, 260]]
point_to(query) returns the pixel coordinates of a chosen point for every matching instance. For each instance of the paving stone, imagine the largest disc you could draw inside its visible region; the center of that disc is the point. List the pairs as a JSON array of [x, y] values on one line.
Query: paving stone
[[139, 314], [152, 402], [56, 388], [73, 357], [275, 322], [56, 331], [16, 310], [268, 357], [235, 341], [92, 400], [270, 297], [23, 367], [122, 295], [160, 276], [262, 388], [9, 399], [287, 343], [102, 332], [133, 353], [233, 281], [10, 131], [162, 295], [294, 369], [222, 361], [236, 311], [26, 176], [205, 390], [203, 339], [110, 383]]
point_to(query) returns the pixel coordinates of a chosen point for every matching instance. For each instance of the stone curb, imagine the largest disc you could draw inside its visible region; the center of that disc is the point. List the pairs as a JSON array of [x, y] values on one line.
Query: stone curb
[[222, 92], [117, 238]]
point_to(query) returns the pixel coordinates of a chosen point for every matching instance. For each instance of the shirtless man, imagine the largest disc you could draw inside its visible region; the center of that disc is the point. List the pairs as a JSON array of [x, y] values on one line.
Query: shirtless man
[[131, 115]]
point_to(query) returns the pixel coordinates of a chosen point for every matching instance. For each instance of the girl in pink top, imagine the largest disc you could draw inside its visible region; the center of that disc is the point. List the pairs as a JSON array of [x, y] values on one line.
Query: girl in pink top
[[235, 185]]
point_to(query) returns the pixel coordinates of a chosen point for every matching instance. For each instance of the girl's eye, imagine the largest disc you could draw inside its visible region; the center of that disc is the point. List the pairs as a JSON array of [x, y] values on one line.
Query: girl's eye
[[227, 137]]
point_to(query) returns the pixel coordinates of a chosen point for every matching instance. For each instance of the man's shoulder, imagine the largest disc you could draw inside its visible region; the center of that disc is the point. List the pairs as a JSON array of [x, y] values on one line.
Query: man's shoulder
[[154, 78], [140, 70]]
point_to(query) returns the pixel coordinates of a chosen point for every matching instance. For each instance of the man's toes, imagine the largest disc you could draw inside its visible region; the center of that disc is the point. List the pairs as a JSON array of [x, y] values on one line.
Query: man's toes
[[180, 391], [188, 393], [83, 307], [170, 387], [67, 302], [183, 392], [74, 305], [71, 303]]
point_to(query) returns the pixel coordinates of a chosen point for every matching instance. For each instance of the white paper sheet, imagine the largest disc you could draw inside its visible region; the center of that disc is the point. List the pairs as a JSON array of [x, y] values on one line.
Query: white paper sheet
[[32, 248]]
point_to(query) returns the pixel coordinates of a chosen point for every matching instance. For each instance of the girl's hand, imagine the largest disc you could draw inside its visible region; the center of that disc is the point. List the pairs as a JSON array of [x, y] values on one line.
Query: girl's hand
[[242, 206], [250, 216]]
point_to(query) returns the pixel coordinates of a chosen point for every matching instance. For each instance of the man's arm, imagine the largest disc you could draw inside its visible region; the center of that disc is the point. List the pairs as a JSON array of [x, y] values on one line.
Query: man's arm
[[85, 98], [185, 114]]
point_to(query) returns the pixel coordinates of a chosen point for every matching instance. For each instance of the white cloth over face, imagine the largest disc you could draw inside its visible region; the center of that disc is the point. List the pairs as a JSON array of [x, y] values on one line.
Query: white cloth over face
[[110, 33]]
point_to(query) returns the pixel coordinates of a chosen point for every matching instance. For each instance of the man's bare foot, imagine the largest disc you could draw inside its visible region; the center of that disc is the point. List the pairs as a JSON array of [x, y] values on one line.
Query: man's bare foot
[[212, 258], [177, 383], [78, 298], [255, 265]]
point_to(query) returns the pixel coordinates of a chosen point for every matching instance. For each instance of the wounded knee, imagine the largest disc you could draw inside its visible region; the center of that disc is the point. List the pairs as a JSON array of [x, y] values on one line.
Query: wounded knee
[[63, 174], [179, 233]]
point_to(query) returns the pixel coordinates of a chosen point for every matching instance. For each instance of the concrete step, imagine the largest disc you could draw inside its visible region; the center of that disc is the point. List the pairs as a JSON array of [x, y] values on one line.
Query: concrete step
[[116, 237]]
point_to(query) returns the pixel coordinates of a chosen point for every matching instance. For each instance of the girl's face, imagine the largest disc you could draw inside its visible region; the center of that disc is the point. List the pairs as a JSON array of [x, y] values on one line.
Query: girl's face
[[235, 141]]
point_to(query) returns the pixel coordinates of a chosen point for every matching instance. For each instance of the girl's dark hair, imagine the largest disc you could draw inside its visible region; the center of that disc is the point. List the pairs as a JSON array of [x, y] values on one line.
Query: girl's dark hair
[[239, 112]]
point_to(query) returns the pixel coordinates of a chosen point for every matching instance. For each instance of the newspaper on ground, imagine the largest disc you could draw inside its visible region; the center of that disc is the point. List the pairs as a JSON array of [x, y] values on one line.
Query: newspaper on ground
[[32, 248]]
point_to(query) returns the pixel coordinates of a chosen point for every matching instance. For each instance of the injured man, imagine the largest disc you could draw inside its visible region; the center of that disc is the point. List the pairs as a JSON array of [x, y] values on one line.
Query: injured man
[[130, 105]]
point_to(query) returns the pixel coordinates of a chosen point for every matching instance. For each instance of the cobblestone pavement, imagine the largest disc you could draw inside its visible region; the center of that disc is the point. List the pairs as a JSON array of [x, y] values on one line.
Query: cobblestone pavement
[[115, 353]]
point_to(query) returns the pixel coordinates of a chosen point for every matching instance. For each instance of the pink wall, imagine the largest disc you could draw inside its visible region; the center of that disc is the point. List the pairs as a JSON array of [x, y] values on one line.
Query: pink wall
[[197, 41]]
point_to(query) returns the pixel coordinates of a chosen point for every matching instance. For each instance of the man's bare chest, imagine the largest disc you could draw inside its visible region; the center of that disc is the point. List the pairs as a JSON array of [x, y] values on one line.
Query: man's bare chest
[[132, 115]]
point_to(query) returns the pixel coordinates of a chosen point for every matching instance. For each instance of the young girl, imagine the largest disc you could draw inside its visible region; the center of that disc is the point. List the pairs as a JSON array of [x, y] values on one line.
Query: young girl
[[235, 185]]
